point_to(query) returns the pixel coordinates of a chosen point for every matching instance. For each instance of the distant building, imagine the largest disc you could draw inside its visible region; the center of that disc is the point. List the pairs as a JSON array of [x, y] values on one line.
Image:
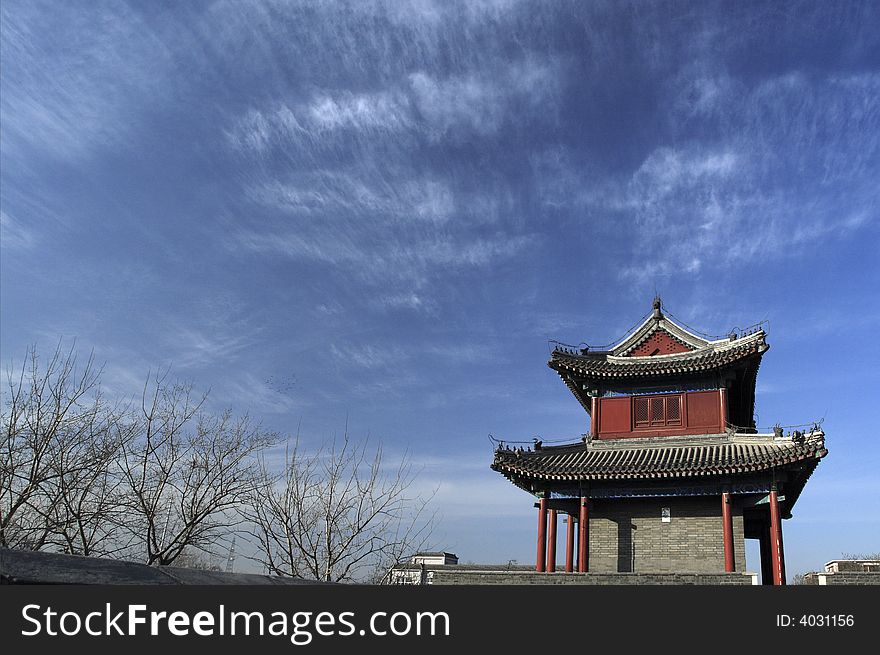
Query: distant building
[[853, 566], [444, 569], [846, 572], [446, 559], [420, 568], [673, 475]]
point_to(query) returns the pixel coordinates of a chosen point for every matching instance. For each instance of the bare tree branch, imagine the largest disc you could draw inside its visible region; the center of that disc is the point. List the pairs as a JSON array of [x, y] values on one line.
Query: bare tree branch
[[164, 479], [337, 514], [187, 470], [50, 415]]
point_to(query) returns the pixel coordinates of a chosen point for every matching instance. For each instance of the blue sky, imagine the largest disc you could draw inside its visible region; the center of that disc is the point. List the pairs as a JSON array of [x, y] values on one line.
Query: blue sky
[[383, 211]]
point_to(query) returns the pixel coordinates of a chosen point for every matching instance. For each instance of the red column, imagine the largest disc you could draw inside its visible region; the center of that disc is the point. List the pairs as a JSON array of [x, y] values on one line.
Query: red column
[[594, 416], [723, 403], [542, 535], [776, 541], [551, 543], [781, 554], [569, 545], [727, 519], [583, 537]]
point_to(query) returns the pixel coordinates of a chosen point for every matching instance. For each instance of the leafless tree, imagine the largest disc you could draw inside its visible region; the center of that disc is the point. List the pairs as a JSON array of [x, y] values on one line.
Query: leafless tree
[[50, 417], [89, 503], [338, 514], [186, 471], [83, 475], [195, 559], [799, 579], [165, 479]]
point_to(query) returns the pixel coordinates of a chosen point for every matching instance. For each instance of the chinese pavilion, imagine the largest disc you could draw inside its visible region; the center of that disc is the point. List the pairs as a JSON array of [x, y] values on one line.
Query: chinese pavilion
[[673, 475]]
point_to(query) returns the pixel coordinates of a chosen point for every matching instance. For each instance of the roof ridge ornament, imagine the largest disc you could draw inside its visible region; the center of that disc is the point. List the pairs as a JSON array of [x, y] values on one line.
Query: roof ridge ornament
[[658, 314]]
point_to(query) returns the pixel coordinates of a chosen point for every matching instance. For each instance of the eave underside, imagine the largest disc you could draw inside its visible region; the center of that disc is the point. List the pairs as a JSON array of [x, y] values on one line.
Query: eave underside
[[739, 378]]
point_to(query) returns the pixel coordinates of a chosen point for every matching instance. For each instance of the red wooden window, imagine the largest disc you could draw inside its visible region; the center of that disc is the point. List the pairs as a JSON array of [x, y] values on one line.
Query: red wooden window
[[656, 411]]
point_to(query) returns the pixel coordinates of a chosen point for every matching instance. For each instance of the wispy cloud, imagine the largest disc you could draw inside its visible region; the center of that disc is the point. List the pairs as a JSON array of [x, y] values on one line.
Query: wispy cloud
[[407, 263], [194, 347], [409, 300], [13, 235], [481, 103], [324, 117], [337, 166], [245, 389], [359, 111], [68, 102], [214, 332], [368, 355], [374, 193], [771, 187], [371, 356], [421, 105]]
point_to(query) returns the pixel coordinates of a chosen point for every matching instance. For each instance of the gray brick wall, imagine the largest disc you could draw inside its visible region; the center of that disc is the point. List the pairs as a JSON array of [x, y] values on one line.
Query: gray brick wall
[[477, 577], [628, 535], [843, 578]]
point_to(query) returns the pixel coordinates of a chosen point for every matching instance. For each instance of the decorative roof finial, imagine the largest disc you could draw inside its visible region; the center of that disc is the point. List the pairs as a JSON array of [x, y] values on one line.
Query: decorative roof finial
[[657, 305]]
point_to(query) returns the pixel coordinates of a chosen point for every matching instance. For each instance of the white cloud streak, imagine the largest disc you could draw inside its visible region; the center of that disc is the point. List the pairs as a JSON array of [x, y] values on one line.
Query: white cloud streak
[[334, 191], [481, 103], [14, 235], [422, 105], [410, 262], [794, 150], [68, 102]]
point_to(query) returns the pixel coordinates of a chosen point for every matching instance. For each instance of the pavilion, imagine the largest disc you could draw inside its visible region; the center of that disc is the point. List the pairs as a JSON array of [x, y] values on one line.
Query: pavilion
[[672, 475]]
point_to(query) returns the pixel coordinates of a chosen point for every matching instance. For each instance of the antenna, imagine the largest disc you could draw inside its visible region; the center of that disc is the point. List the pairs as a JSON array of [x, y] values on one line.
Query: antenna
[[230, 558]]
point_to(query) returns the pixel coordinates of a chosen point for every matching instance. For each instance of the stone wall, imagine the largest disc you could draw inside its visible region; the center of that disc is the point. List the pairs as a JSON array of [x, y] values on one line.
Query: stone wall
[[465, 576], [628, 535], [843, 578]]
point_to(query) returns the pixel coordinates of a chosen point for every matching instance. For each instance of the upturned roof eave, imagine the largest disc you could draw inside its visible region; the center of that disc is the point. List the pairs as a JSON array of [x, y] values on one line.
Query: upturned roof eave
[[692, 362], [528, 482], [733, 456]]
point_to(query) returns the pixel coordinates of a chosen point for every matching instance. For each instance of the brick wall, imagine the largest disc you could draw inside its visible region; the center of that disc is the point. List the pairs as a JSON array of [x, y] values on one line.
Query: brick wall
[[478, 577], [843, 578], [628, 535]]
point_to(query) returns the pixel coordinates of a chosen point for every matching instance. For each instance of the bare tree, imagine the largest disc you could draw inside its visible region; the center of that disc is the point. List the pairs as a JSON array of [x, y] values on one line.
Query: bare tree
[[338, 514], [166, 479], [799, 579], [49, 420], [186, 471], [90, 514], [85, 476], [196, 559]]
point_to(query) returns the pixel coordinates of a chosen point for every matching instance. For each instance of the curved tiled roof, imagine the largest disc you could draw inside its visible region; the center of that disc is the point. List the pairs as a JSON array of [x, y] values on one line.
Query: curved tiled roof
[[720, 456], [713, 356]]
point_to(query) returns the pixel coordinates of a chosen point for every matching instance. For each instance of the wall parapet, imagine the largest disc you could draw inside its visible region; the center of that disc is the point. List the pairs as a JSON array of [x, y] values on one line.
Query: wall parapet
[[464, 576]]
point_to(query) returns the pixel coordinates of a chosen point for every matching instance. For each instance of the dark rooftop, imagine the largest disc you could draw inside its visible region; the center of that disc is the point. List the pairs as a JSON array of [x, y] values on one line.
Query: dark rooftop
[[661, 458], [31, 567]]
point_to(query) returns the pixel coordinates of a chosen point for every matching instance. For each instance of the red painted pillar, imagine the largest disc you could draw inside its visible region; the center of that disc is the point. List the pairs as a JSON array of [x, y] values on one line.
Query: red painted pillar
[[583, 537], [542, 535], [776, 557], [594, 416], [551, 543], [723, 393], [569, 545], [782, 554], [727, 519]]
